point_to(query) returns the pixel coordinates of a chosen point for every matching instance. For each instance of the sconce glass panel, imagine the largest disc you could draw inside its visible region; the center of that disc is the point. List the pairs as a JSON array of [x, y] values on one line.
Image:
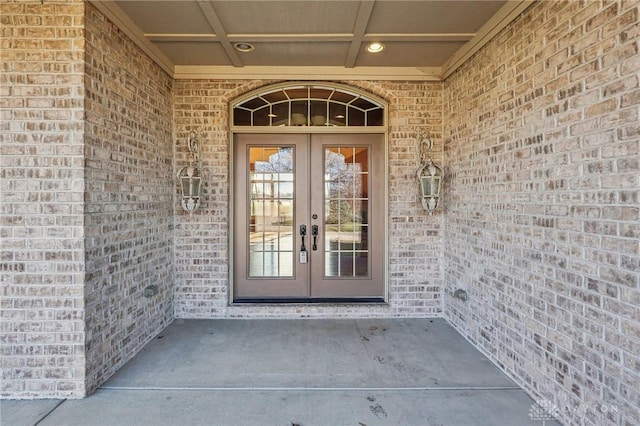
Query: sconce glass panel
[[431, 186], [430, 178], [190, 183]]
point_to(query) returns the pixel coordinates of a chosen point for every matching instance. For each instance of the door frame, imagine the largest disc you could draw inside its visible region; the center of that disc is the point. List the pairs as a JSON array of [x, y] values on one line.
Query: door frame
[[379, 130]]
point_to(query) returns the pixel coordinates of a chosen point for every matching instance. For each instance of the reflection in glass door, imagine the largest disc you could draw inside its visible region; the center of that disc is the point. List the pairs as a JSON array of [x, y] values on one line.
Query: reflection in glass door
[[307, 208], [346, 211], [271, 213]]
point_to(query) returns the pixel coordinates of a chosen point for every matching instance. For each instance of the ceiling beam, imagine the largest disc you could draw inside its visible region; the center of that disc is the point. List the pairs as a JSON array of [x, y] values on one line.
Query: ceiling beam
[[290, 38], [420, 37], [510, 11], [181, 37], [360, 27], [215, 23]]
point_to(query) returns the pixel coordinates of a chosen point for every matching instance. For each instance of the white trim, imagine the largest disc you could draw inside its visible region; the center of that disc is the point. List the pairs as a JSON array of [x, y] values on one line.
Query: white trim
[[113, 12], [263, 90], [386, 297], [381, 130], [307, 73], [419, 37], [290, 38], [181, 38], [310, 129], [301, 38], [510, 11]]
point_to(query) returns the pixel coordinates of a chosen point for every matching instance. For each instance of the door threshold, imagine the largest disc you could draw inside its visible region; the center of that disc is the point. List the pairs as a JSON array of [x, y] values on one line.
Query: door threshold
[[312, 301]]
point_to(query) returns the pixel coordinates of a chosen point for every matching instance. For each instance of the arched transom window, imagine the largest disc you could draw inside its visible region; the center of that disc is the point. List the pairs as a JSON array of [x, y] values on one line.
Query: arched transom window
[[308, 104]]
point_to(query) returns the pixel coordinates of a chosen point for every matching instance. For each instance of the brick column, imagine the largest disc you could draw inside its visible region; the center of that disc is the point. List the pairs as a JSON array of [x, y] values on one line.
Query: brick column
[[42, 189]]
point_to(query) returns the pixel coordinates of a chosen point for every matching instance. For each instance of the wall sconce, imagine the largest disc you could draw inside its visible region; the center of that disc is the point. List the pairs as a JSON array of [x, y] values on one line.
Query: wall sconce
[[190, 176], [429, 174]]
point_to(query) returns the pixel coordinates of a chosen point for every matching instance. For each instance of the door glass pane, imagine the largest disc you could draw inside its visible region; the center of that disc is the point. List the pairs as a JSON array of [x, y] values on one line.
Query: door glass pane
[[270, 250], [346, 201], [308, 105]]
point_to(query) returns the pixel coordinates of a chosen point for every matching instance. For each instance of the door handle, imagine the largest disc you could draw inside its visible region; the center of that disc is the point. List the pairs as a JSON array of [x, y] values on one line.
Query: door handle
[[303, 232], [314, 233], [303, 249]]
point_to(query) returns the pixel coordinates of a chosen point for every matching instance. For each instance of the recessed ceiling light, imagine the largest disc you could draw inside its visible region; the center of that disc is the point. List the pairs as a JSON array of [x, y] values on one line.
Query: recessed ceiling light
[[375, 47], [243, 47]]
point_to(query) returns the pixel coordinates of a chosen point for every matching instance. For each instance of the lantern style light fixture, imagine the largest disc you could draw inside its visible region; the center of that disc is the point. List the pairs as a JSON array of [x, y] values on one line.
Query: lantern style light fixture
[[190, 176], [429, 174]]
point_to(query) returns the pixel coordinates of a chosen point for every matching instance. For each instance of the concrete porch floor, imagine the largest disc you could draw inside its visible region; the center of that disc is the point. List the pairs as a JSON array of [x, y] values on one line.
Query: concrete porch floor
[[296, 372]]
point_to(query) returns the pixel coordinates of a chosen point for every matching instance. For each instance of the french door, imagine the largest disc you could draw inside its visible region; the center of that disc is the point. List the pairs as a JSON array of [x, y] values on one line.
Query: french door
[[309, 217]]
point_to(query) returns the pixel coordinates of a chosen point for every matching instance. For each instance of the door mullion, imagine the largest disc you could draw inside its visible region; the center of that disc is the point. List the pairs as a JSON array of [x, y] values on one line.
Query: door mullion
[[316, 210], [303, 202]]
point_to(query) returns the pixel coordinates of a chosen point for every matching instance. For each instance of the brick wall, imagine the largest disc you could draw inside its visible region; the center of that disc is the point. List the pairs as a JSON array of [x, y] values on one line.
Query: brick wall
[[541, 143], [128, 198], [542, 147], [87, 199], [202, 251], [41, 213]]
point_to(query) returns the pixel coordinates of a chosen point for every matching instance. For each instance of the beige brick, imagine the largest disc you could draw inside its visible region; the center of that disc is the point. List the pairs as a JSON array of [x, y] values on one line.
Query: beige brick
[[539, 136], [595, 207], [32, 96], [135, 204], [412, 104]]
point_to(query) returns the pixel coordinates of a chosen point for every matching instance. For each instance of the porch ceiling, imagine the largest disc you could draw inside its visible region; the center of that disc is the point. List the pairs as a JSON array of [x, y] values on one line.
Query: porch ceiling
[[311, 38]]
